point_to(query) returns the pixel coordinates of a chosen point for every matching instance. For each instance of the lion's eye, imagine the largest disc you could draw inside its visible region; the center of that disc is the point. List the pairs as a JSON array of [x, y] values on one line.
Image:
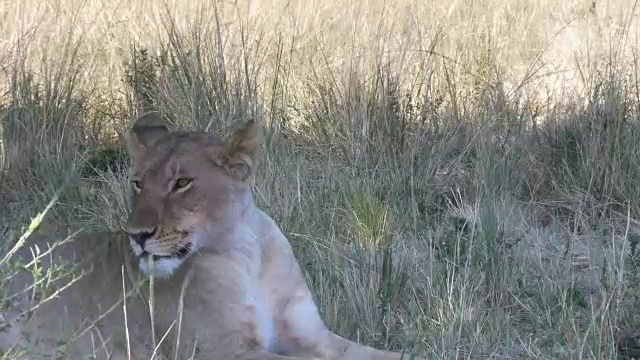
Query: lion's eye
[[182, 184], [136, 185]]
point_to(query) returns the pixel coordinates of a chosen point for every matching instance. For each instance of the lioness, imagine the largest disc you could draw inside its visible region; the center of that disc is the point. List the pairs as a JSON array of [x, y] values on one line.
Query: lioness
[[226, 284]]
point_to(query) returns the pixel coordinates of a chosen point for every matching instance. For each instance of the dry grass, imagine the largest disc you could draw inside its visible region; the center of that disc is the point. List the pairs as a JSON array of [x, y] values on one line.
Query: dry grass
[[460, 177]]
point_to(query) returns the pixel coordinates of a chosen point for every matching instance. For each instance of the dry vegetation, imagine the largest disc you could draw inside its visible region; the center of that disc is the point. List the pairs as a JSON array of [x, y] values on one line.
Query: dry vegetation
[[459, 177]]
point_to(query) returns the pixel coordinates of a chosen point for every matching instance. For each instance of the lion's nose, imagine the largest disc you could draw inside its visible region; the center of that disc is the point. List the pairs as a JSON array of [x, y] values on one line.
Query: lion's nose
[[140, 237]]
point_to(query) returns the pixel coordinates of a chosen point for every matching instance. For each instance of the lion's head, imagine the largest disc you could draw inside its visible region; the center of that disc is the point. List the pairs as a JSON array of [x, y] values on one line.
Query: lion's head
[[189, 191]]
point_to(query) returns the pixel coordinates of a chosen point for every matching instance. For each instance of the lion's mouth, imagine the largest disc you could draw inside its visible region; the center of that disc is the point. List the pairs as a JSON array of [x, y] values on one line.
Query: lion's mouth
[[179, 254], [183, 251]]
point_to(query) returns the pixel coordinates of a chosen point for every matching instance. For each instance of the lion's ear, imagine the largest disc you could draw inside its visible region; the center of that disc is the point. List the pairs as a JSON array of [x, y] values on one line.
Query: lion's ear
[[146, 130], [241, 149]]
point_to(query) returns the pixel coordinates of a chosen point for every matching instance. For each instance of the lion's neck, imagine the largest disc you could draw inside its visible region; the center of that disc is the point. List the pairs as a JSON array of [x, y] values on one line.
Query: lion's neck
[[243, 227]]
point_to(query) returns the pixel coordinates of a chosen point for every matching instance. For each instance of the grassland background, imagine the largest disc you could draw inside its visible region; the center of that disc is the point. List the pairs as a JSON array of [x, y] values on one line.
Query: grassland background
[[459, 177]]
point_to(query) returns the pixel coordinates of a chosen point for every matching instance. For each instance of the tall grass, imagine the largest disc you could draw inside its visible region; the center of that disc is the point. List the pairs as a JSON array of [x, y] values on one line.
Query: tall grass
[[460, 178]]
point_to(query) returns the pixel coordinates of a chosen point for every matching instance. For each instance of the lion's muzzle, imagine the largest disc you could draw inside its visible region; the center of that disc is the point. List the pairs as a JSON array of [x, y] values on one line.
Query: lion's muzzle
[[140, 236]]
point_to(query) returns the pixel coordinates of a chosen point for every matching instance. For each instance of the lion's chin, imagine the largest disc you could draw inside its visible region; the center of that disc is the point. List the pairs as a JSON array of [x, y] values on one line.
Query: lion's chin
[[162, 267]]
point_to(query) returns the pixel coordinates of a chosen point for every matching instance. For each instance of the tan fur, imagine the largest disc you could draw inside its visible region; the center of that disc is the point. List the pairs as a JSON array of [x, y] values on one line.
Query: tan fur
[[226, 280]]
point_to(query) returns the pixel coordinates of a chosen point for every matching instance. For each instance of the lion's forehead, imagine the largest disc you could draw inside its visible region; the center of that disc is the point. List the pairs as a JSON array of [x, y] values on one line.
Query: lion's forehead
[[181, 149], [156, 162]]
